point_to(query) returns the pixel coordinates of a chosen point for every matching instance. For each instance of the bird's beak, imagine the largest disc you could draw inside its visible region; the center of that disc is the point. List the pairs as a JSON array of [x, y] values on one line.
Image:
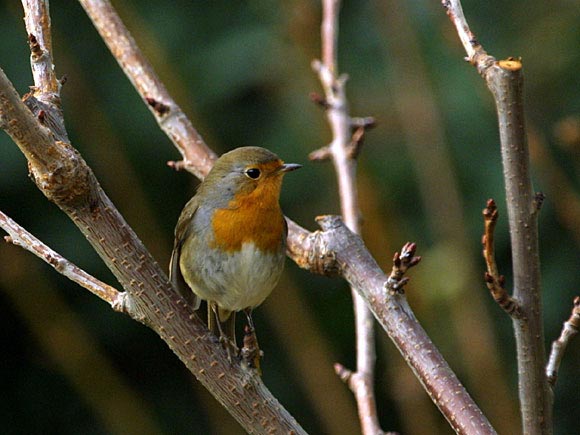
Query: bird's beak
[[287, 167]]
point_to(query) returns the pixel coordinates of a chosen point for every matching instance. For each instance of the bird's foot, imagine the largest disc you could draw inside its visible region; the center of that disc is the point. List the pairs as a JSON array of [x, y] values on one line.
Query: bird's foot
[[230, 346], [251, 353]]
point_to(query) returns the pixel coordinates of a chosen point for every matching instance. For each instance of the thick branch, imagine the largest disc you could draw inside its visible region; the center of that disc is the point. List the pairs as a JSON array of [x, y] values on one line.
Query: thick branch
[[336, 243], [63, 176], [505, 81], [149, 297]]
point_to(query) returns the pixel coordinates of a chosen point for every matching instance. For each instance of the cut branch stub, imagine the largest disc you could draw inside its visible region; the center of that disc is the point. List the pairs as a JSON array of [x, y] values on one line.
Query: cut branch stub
[[321, 259], [160, 108]]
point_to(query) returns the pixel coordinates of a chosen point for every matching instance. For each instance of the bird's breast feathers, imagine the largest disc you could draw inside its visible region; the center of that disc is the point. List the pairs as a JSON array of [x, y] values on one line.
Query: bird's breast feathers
[[236, 280]]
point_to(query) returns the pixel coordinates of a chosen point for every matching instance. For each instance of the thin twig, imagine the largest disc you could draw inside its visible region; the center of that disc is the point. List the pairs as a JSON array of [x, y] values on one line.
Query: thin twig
[[569, 331], [401, 263], [343, 150], [197, 157], [504, 79], [20, 237], [37, 21], [494, 281]]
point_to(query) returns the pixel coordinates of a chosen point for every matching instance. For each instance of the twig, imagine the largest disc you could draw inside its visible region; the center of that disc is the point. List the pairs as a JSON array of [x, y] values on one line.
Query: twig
[[504, 79], [336, 243], [197, 157], [569, 331], [20, 237], [494, 281], [401, 263], [37, 21], [343, 150]]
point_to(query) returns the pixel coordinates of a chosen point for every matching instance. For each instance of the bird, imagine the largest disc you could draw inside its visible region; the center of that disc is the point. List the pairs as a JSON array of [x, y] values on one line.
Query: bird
[[230, 239]]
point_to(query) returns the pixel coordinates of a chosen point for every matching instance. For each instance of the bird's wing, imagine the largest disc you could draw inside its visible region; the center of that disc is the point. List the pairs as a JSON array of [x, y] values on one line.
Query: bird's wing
[[181, 232]]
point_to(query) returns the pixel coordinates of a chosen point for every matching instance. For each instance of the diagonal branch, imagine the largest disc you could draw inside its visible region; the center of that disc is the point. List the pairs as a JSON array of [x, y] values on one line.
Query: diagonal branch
[[504, 79], [197, 156], [20, 237], [336, 249], [148, 297], [64, 177]]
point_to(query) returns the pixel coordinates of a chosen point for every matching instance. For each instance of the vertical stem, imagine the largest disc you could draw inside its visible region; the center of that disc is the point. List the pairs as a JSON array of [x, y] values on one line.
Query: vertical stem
[[505, 80], [329, 30], [345, 167]]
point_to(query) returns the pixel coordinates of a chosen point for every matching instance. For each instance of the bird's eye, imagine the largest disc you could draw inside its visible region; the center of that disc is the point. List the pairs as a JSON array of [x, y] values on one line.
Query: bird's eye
[[253, 173]]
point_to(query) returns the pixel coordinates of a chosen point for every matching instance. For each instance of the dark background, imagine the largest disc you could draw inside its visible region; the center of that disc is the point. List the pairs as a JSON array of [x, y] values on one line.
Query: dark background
[[241, 71]]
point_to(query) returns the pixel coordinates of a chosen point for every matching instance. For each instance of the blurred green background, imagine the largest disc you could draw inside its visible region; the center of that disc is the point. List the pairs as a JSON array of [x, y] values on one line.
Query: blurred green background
[[241, 71]]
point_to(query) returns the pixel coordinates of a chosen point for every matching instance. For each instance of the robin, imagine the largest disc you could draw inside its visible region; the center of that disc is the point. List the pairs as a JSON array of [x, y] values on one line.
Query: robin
[[230, 239]]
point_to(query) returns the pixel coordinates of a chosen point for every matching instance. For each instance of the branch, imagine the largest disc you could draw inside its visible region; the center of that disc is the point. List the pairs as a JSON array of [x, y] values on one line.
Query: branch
[[20, 237], [394, 285], [37, 21], [343, 150], [338, 250], [494, 281], [64, 177], [152, 301], [504, 79], [569, 331], [197, 157]]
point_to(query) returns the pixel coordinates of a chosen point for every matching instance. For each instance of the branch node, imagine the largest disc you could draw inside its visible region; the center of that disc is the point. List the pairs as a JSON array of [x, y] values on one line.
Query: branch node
[[341, 80], [360, 126], [160, 108], [321, 260], [539, 198], [316, 65], [493, 280], [320, 154], [402, 262], [177, 165], [329, 222], [343, 373], [122, 303], [319, 100], [367, 122], [35, 48]]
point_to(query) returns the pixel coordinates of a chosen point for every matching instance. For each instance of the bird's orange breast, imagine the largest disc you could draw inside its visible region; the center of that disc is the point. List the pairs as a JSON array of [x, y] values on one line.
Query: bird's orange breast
[[251, 217]]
